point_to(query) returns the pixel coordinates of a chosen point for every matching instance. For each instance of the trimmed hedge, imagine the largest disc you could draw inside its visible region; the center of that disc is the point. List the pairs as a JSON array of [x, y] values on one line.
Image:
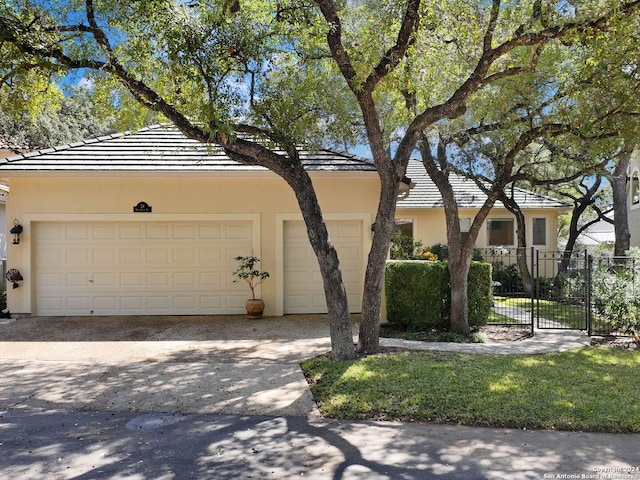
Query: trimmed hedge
[[418, 294]]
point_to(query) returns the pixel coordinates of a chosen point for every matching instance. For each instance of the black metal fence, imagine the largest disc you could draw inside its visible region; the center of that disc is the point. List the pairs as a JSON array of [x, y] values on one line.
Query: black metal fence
[[553, 290], [613, 296], [513, 302]]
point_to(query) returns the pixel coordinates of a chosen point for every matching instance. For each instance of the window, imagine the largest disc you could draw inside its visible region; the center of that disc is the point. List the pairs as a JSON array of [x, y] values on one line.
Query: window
[[404, 226], [635, 188], [539, 231], [500, 232]]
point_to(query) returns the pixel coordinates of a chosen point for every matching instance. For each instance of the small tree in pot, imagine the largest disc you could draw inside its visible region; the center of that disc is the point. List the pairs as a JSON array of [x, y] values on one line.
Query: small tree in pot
[[248, 272]]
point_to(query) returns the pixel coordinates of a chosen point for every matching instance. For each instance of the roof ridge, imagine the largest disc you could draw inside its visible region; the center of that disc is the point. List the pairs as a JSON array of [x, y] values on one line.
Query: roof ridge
[[540, 195]]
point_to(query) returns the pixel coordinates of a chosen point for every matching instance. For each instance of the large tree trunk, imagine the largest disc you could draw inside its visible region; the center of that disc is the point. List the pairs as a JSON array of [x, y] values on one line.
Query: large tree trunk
[[342, 346], [369, 335], [459, 263], [340, 330], [521, 243], [460, 246], [620, 214]]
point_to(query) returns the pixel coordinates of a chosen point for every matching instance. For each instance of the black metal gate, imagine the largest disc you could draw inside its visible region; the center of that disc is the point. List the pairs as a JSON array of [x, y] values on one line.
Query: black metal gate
[[537, 288], [561, 295]]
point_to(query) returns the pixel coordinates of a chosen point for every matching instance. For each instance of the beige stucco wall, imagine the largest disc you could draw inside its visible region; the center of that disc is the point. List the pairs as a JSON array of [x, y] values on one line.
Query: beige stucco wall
[[90, 197], [430, 228]]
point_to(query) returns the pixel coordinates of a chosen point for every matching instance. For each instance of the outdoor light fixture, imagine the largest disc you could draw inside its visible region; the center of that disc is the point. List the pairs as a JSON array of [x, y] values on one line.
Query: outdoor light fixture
[[15, 232]]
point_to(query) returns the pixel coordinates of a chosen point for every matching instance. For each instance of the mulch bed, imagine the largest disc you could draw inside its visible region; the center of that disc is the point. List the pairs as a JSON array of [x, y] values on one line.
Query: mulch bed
[[504, 334]]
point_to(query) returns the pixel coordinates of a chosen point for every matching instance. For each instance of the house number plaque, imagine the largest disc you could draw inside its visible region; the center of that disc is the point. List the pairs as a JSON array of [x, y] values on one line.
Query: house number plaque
[[142, 207]]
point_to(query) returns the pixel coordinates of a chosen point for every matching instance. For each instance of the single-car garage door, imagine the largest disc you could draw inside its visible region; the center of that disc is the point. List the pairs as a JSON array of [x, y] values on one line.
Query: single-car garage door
[[303, 289], [148, 268]]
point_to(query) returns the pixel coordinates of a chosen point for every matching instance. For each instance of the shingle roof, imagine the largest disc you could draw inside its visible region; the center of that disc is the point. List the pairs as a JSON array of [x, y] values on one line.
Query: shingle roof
[[160, 148], [425, 194]]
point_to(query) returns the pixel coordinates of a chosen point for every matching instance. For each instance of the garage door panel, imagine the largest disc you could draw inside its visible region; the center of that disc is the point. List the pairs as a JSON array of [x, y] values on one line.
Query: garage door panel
[[212, 279], [183, 255], [132, 304], [236, 232], [78, 256], [130, 232], [104, 279], [132, 279], [184, 232], [152, 268], [78, 303], [105, 232], [77, 232], [159, 303], [187, 302], [77, 280], [158, 279], [157, 255], [184, 279], [303, 286], [104, 255], [104, 304], [211, 255], [157, 232], [131, 255]]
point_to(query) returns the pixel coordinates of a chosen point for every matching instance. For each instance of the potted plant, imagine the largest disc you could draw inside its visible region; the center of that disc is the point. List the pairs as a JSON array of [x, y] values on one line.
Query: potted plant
[[248, 272]]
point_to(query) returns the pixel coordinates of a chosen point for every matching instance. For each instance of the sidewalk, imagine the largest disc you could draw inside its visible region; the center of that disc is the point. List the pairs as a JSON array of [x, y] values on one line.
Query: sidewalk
[[543, 341]]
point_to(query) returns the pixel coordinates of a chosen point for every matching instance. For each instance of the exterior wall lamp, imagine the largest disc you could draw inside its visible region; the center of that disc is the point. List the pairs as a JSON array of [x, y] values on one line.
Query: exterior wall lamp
[[15, 232]]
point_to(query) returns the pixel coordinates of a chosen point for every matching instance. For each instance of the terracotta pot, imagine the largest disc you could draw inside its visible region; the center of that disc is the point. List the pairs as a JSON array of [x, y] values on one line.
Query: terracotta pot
[[255, 307]]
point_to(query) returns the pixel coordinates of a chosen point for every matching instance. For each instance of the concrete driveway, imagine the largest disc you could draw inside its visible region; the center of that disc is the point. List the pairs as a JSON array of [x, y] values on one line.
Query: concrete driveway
[[225, 364]]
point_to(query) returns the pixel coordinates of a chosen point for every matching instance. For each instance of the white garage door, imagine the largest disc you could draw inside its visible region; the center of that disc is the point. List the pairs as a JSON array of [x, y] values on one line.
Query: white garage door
[[152, 268], [303, 289]]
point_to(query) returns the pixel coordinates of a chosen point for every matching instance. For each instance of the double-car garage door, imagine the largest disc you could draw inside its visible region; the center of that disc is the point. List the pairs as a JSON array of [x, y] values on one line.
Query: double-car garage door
[[146, 268]]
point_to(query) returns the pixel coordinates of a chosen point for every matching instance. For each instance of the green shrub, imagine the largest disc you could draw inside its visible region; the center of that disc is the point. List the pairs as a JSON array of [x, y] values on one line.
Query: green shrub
[[508, 278], [418, 294], [479, 293], [478, 337], [403, 247], [451, 337], [440, 250]]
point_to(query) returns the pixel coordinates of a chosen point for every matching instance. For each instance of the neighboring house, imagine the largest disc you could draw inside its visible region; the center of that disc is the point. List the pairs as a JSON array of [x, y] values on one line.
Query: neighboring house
[[599, 235], [633, 199], [421, 214], [90, 247]]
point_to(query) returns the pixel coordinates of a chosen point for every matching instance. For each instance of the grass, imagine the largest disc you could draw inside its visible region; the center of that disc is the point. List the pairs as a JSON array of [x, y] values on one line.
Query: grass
[[497, 318], [567, 315], [591, 389]]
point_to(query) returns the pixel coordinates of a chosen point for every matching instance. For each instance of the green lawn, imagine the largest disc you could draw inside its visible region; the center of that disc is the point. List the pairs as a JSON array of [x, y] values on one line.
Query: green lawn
[[568, 315], [592, 389]]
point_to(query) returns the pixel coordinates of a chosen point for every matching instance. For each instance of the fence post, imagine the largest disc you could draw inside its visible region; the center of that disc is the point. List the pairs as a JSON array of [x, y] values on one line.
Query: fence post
[[534, 284], [588, 266]]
